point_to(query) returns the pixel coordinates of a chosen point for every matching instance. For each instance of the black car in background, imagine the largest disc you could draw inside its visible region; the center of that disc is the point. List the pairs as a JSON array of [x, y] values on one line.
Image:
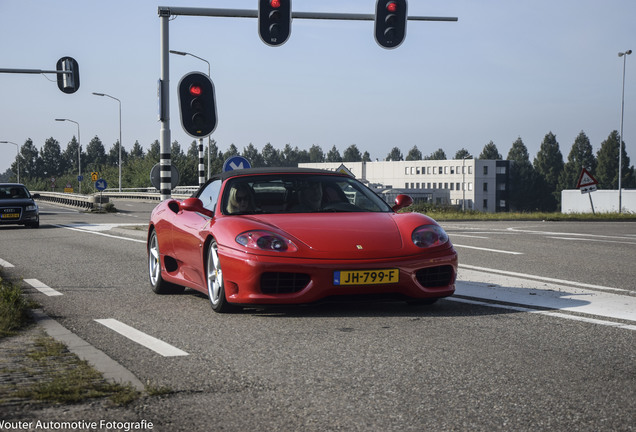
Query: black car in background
[[17, 206]]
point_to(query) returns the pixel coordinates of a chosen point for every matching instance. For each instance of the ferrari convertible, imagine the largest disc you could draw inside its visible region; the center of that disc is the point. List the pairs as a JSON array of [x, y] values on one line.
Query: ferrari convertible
[[295, 236]]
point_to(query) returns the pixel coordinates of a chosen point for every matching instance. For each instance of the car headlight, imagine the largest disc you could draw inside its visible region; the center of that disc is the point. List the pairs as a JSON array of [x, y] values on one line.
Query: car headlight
[[267, 241], [32, 207], [429, 236]]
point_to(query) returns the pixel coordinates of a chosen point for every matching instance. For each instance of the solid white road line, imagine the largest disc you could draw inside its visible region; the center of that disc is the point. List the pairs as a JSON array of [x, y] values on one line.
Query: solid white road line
[[591, 240], [542, 278], [565, 234], [158, 346], [549, 295], [103, 227], [548, 313], [44, 289], [467, 235], [100, 233], [488, 250], [5, 264]]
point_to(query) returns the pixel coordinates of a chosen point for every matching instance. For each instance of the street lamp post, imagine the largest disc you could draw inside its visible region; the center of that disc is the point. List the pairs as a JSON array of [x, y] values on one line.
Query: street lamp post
[[620, 138], [120, 143], [183, 53], [79, 153], [18, 155]]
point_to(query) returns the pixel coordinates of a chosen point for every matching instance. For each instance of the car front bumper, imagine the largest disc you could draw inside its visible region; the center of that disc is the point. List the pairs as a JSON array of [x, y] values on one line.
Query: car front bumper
[[25, 217], [258, 279]]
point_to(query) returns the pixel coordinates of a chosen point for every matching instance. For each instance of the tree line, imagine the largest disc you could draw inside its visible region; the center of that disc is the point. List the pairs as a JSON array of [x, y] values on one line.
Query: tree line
[[536, 184]]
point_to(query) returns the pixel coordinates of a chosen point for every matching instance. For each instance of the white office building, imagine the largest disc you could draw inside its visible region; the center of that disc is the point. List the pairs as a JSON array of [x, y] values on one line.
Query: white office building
[[472, 184]]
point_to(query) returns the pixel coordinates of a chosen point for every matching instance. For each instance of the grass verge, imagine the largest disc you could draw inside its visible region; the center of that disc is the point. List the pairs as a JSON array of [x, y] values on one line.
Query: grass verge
[[14, 309], [36, 367], [67, 379]]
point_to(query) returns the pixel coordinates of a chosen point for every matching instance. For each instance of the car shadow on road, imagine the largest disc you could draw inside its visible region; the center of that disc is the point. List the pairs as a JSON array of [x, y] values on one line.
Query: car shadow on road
[[363, 307]]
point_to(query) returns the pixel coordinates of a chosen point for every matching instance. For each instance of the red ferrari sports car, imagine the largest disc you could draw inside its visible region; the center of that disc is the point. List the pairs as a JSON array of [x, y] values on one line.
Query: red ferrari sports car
[[292, 235]]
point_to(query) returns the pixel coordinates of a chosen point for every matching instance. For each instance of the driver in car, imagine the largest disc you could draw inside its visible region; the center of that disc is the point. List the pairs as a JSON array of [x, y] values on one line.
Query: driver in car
[[241, 199]]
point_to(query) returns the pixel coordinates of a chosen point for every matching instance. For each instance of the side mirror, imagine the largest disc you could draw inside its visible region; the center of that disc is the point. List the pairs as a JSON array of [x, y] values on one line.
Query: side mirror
[[195, 205], [402, 201]]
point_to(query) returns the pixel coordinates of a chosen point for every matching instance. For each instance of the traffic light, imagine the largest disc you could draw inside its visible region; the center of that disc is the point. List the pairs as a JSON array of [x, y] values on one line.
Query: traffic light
[[390, 23], [274, 21], [197, 104], [67, 82]]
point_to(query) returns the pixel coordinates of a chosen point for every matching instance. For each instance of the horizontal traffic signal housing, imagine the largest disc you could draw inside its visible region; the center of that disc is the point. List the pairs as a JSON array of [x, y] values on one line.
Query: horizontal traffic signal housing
[[197, 104], [274, 21], [390, 22]]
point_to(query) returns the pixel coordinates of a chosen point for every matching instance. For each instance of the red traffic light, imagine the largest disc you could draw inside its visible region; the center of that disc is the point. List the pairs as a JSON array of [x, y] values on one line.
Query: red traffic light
[[390, 22], [197, 104], [274, 21], [195, 90]]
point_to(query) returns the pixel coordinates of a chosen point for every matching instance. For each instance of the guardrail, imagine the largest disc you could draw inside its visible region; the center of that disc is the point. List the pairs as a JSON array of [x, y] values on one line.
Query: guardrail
[[67, 199], [89, 202], [180, 192]]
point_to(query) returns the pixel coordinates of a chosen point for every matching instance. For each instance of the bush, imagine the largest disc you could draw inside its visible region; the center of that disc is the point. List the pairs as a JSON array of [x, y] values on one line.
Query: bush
[[13, 309]]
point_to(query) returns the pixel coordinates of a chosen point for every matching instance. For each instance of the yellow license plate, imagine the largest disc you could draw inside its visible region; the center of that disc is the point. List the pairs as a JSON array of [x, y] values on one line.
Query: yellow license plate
[[11, 216], [366, 277]]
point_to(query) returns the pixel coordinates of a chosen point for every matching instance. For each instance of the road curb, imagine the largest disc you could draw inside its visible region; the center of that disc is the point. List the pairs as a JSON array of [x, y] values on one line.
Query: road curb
[[111, 369]]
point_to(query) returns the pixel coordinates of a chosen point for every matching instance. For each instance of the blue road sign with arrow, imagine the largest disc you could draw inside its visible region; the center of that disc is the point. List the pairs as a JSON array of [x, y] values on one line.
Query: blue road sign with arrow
[[101, 184], [236, 162]]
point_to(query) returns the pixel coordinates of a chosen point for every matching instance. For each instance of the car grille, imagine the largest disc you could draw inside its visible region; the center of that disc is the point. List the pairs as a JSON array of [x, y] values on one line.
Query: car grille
[[283, 283], [11, 213], [435, 277]]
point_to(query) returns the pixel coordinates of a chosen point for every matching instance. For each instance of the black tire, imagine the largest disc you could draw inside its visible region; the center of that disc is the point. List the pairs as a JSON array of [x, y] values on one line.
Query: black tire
[[158, 285]]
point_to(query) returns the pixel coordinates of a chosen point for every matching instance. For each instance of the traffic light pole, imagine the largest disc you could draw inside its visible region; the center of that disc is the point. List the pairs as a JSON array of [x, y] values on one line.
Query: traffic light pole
[[165, 174], [165, 12]]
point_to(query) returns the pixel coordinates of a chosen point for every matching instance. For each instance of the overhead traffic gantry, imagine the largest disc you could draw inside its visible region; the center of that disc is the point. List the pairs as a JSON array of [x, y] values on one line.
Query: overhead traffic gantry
[[274, 27]]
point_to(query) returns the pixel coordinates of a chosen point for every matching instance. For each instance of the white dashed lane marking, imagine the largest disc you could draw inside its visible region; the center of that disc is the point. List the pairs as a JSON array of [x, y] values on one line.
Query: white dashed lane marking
[[43, 288], [150, 342], [5, 264]]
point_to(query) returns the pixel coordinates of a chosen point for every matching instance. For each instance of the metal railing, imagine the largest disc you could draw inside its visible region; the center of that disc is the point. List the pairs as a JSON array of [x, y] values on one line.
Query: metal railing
[[90, 201], [66, 199]]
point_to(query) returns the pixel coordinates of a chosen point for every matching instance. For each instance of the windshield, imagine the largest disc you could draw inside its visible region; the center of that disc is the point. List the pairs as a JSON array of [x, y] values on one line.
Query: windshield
[[14, 192], [299, 193]]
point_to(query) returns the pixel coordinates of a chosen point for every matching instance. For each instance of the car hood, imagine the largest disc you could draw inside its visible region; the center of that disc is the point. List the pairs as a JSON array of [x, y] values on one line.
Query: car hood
[[341, 235], [16, 202]]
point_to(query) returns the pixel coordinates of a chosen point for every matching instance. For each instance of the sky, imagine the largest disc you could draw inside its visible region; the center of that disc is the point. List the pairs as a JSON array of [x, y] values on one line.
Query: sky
[[504, 70]]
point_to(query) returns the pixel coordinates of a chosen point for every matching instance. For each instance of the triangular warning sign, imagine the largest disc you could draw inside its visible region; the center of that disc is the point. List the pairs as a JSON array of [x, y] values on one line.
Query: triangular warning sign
[[586, 179], [344, 170]]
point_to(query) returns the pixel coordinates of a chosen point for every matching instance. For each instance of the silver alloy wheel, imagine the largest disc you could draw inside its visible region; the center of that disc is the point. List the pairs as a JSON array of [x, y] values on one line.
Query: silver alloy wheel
[[214, 275], [154, 266]]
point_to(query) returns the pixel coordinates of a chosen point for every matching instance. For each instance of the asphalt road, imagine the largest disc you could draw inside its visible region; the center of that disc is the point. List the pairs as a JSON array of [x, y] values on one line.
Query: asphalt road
[[540, 336]]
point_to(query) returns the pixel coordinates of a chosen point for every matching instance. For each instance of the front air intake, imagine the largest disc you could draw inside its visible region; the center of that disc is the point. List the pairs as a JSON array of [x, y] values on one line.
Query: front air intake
[[436, 277], [283, 283]]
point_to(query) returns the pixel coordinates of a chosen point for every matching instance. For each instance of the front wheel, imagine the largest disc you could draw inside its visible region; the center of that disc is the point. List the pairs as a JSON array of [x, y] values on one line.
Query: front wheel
[[157, 283], [214, 273]]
